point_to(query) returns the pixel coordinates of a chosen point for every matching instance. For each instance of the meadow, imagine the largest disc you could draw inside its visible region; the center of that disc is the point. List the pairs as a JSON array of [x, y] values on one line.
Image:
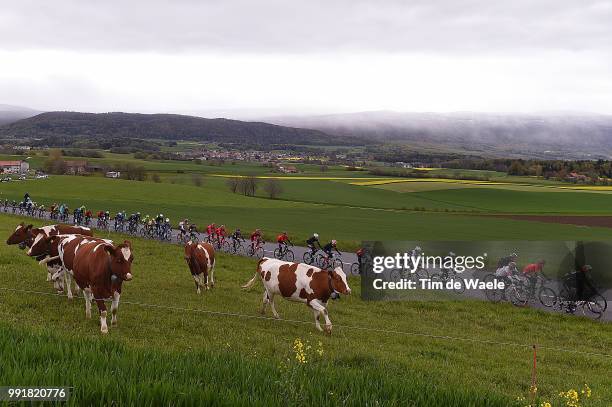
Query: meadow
[[175, 347], [334, 209]]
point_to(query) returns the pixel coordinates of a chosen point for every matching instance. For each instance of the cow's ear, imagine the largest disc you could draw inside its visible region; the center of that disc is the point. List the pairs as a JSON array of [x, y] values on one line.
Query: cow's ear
[[127, 243], [28, 227]]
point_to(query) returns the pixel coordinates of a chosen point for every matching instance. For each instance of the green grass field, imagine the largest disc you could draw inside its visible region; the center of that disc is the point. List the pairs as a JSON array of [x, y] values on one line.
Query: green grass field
[[346, 212], [213, 348]]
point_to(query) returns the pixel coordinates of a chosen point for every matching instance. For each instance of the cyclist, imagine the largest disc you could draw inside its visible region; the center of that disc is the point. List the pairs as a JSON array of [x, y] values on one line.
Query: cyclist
[[505, 265], [531, 272], [220, 232], [255, 239], [159, 219], [236, 237], [312, 242], [360, 252], [193, 231], [329, 248], [183, 225], [210, 231], [283, 241], [88, 216]]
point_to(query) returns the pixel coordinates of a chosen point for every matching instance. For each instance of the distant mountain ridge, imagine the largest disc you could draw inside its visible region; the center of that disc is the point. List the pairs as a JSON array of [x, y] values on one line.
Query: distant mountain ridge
[[10, 113], [166, 127], [556, 134]]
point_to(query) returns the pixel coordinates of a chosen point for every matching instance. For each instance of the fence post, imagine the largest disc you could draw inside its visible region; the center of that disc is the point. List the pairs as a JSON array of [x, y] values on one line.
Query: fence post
[[534, 382]]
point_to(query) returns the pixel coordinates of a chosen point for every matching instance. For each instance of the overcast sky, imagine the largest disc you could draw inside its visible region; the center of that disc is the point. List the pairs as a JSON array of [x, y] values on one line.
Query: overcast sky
[[311, 56]]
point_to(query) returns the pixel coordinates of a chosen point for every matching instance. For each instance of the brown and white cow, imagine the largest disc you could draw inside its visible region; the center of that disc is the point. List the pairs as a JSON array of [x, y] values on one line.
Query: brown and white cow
[[200, 258], [98, 267], [300, 282], [24, 236], [52, 252]]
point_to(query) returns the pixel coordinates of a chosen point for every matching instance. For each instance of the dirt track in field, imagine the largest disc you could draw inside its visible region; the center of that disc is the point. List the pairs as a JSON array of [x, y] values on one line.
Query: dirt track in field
[[594, 221]]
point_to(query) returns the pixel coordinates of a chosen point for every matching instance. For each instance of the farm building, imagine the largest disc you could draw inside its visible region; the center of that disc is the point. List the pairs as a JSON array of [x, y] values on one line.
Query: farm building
[[14, 167], [76, 167]]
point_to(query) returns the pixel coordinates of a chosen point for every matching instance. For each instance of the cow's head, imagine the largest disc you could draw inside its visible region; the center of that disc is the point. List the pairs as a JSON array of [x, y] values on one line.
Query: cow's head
[[338, 281], [41, 245], [121, 258], [20, 235]]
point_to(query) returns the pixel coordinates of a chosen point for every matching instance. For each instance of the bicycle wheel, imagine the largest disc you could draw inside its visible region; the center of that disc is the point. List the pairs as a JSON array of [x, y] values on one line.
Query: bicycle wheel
[[596, 305], [226, 247], [492, 294], [547, 297], [421, 274], [355, 269], [277, 253], [517, 294], [259, 252], [338, 264], [458, 285], [319, 260], [308, 258], [289, 256]]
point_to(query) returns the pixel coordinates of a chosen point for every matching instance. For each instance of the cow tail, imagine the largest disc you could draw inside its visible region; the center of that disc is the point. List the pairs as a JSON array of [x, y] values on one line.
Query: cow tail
[[252, 281]]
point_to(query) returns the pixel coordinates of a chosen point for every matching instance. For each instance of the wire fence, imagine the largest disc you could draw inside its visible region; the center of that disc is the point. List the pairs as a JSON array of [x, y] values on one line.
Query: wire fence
[[348, 327]]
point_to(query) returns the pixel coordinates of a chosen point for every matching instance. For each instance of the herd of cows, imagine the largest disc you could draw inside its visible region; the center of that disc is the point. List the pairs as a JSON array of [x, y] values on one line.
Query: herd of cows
[[99, 267]]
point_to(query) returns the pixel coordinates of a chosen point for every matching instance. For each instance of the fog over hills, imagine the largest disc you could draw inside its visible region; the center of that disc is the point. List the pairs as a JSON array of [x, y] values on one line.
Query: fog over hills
[[10, 113], [571, 135]]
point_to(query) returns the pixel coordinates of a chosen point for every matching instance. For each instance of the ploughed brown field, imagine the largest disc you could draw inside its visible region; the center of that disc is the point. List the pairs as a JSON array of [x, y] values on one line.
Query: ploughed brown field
[[595, 221]]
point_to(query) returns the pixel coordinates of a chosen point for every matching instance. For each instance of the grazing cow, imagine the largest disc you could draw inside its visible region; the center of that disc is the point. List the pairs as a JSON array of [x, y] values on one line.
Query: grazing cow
[[98, 267], [200, 258], [300, 282], [24, 236], [52, 250]]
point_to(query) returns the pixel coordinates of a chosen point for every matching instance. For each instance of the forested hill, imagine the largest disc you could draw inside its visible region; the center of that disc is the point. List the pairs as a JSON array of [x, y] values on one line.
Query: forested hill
[[54, 125]]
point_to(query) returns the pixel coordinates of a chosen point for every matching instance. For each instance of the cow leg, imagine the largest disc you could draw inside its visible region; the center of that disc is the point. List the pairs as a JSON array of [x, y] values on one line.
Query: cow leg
[[102, 309], [316, 317], [264, 302], [204, 277], [50, 272], [196, 278], [273, 307], [68, 280], [88, 297], [58, 279], [319, 306], [114, 308], [212, 276]]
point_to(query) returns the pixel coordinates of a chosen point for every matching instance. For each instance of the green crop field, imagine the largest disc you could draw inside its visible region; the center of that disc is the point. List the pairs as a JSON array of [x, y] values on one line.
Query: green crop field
[[339, 210], [173, 346]]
